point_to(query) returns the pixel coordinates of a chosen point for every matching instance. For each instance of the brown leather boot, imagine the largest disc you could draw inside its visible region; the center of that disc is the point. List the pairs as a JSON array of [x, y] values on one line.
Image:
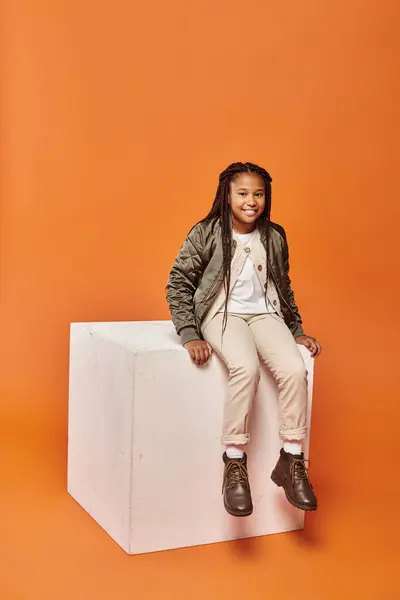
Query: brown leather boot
[[236, 487], [291, 474]]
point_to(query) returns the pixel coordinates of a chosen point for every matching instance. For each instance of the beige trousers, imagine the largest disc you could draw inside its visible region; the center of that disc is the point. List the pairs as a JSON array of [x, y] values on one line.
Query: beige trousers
[[248, 338]]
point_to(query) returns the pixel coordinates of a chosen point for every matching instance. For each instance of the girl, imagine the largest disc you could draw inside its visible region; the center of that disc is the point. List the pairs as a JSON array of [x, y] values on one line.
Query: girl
[[229, 291]]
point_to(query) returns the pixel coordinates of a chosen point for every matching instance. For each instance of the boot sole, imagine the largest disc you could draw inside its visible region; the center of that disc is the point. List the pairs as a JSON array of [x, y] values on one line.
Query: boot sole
[[238, 514], [277, 480]]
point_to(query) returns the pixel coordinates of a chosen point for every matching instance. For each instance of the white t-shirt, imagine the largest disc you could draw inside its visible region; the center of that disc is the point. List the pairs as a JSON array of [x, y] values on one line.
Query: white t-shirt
[[247, 296]]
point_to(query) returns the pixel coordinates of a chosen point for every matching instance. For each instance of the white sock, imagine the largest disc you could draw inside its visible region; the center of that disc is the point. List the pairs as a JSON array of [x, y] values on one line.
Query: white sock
[[234, 452], [293, 447]]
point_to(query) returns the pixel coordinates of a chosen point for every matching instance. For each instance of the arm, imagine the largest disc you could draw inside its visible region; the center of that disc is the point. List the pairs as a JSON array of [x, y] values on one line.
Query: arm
[[182, 285]]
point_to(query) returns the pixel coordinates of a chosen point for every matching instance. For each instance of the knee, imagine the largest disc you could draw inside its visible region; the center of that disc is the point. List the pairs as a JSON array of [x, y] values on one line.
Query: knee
[[294, 373], [249, 371]]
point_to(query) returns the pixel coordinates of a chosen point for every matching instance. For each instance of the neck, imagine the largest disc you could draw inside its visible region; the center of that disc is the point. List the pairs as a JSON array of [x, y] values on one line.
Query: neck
[[244, 227]]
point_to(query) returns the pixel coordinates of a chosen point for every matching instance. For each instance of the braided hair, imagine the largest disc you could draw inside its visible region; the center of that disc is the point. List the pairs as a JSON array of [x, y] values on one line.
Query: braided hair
[[222, 210]]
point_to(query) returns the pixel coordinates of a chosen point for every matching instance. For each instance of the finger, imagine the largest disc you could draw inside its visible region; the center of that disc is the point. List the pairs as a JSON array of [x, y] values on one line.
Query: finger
[[310, 346], [313, 348], [319, 348], [199, 357], [194, 355], [206, 354], [210, 350], [202, 355], [316, 347]]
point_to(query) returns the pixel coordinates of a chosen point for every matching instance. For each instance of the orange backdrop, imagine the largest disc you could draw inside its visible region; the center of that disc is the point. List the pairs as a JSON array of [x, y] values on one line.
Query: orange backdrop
[[116, 119]]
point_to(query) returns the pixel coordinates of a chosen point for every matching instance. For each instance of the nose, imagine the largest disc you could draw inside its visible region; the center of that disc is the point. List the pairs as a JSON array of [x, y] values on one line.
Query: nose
[[251, 203]]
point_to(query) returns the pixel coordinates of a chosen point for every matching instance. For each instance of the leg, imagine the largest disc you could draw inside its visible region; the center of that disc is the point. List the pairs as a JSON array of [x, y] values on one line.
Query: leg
[[278, 350], [238, 351]]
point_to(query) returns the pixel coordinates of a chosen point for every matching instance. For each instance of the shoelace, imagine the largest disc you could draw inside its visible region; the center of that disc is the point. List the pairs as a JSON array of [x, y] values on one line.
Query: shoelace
[[298, 469], [235, 472]]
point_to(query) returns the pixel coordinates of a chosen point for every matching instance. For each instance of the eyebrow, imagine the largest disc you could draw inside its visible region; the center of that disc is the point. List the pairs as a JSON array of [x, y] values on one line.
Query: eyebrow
[[247, 189]]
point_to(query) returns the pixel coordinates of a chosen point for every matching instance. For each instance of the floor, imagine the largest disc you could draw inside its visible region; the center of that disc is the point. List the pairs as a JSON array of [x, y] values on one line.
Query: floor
[[52, 550]]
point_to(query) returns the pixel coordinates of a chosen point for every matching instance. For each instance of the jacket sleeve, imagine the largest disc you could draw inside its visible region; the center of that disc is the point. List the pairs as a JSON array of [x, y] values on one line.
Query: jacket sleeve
[[297, 325], [182, 284]]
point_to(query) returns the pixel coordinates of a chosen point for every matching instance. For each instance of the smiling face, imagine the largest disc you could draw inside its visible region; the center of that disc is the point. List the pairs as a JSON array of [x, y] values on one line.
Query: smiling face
[[247, 201]]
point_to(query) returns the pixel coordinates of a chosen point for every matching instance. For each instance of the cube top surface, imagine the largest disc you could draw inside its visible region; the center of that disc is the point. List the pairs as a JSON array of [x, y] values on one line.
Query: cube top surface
[[136, 336]]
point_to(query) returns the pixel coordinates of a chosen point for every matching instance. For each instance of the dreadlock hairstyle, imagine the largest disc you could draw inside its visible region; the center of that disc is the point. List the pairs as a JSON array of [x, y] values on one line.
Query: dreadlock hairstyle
[[222, 209]]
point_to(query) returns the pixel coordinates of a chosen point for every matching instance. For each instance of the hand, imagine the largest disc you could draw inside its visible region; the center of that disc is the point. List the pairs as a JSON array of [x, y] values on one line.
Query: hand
[[199, 351], [310, 343]]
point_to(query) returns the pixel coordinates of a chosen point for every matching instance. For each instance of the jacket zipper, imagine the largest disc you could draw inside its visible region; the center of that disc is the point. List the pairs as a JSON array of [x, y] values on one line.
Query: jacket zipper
[[217, 281], [211, 291], [276, 284], [280, 293]]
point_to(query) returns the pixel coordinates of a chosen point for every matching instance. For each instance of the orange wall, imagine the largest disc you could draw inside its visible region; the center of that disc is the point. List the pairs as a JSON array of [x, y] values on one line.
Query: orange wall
[[116, 119]]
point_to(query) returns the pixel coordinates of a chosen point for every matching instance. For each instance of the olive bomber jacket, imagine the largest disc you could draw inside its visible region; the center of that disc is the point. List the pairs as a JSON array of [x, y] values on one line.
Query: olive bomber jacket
[[197, 275]]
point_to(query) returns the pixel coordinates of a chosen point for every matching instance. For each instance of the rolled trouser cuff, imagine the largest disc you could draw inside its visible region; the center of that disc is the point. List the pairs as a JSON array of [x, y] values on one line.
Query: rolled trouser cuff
[[235, 440], [293, 434]]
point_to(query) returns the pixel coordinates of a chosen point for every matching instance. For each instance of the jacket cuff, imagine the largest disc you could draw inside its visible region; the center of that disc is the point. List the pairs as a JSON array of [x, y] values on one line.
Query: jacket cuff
[[188, 334], [299, 331]]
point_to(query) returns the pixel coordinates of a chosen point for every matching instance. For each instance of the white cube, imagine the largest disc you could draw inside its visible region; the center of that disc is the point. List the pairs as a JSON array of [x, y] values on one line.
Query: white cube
[[144, 450]]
